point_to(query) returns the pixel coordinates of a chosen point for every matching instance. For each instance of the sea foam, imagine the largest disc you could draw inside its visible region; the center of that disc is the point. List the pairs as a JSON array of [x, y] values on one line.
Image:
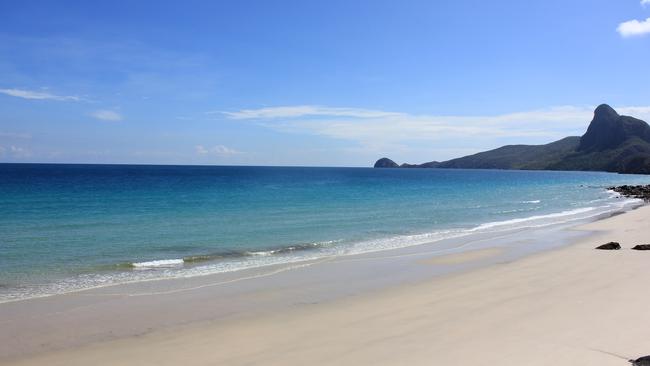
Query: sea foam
[[159, 263]]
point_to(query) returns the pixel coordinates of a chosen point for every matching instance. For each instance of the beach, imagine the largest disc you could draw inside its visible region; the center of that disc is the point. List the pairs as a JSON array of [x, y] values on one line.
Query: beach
[[324, 183], [564, 306]]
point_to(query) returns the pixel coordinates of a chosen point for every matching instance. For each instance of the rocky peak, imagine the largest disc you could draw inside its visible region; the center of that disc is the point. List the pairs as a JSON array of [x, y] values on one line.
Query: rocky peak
[[605, 130], [609, 130], [604, 111]]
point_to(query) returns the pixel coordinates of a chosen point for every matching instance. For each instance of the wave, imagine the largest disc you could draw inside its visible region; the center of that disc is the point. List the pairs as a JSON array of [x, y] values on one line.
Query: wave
[[532, 201], [159, 263], [289, 249], [536, 221], [494, 224], [200, 258], [613, 194]]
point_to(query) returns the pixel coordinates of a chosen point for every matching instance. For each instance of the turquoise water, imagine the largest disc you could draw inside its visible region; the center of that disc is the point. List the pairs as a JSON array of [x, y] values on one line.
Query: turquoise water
[[70, 227]]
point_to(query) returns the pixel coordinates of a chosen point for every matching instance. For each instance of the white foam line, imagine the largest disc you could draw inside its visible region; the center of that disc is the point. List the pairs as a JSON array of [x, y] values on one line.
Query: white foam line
[[458, 249], [498, 227], [455, 249], [578, 211], [159, 263]]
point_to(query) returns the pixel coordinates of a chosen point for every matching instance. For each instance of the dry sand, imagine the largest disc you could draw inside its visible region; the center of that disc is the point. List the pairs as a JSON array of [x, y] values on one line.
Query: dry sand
[[572, 306]]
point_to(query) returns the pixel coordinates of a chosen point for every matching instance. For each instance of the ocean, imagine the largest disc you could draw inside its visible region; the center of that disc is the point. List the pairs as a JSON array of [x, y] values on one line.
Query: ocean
[[67, 228]]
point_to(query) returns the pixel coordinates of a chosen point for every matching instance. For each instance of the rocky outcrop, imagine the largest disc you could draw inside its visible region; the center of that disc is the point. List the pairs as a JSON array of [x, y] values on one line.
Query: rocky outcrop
[[642, 192], [642, 247], [643, 361], [386, 163], [610, 246], [608, 130]]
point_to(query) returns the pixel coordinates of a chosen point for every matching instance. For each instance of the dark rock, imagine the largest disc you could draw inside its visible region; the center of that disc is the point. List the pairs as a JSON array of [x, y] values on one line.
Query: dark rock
[[610, 246], [642, 192], [642, 247], [386, 163], [604, 131], [608, 129], [643, 361]]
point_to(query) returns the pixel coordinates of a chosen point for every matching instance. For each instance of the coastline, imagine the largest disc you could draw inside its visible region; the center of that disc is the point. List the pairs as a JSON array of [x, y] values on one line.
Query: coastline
[[218, 263], [549, 304]]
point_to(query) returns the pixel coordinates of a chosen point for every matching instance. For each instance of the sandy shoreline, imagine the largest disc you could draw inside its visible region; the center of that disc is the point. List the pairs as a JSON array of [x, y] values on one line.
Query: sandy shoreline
[[568, 306]]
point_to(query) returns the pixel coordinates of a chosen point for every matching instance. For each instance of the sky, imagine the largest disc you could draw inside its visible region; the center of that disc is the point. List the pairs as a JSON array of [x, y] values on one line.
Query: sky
[[310, 83]]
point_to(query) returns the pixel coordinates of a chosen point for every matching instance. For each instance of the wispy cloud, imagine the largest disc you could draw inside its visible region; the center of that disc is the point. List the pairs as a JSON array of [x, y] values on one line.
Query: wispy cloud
[[39, 95], [388, 131], [15, 152], [353, 124], [634, 27], [219, 150], [305, 110], [638, 112], [645, 2], [106, 115]]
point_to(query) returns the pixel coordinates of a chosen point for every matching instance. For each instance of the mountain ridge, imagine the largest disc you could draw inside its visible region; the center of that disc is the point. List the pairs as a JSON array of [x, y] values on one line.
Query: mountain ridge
[[612, 143]]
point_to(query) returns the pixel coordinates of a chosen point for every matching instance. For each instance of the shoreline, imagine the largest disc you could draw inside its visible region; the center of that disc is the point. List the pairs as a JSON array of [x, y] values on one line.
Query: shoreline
[[200, 265], [54, 326]]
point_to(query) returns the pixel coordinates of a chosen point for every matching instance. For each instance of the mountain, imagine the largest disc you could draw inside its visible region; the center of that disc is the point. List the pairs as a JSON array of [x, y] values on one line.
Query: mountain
[[517, 156], [612, 143]]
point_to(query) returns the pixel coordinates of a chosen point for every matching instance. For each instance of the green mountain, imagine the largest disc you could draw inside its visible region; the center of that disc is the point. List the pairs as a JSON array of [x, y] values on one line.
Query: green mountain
[[612, 143]]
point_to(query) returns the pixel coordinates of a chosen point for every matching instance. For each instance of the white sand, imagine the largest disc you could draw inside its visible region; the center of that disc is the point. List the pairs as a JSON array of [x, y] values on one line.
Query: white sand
[[564, 307]]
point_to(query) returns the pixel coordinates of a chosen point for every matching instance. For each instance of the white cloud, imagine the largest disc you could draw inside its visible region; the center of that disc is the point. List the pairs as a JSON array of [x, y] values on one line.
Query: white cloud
[[15, 152], [106, 115], [638, 112], [390, 126], [376, 130], [40, 95], [634, 27], [645, 2], [219, 150], [305, 110]]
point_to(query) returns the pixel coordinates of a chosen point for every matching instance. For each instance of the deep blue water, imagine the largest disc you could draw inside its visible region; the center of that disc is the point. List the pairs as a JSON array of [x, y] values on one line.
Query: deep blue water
[[68, 227]]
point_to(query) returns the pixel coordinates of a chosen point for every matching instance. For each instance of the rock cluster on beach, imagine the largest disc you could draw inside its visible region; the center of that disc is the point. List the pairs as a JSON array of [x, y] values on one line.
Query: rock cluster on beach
[[642, 192], [642, 247], [643, 361], [610, 246]]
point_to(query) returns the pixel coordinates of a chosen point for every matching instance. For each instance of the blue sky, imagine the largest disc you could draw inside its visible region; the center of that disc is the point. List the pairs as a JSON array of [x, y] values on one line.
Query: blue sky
[[335, 83]]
